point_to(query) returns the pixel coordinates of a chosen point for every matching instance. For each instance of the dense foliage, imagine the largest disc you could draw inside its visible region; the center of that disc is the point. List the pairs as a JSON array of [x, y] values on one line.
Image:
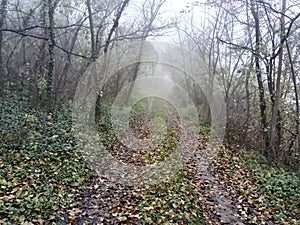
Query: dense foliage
[[41, 171]]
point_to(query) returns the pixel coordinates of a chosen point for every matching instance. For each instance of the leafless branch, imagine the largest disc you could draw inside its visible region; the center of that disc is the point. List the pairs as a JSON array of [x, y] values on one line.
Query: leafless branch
[[44, 39]]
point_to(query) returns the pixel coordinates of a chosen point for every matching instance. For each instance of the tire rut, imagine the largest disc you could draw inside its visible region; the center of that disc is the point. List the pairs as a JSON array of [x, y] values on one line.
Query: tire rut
[[219, 203]]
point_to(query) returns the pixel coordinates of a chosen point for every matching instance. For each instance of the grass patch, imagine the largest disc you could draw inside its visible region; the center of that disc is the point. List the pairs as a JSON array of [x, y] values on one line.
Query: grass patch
[[204, 132]]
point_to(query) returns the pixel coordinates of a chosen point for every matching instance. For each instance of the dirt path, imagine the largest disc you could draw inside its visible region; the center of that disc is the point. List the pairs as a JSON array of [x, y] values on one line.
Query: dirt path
[[218, 204], [103, 202]]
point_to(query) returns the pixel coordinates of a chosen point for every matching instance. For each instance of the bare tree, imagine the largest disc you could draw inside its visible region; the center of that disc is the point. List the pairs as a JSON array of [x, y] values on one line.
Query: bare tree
[[274, 118], [2, 21], [51, 45], [115, 24]]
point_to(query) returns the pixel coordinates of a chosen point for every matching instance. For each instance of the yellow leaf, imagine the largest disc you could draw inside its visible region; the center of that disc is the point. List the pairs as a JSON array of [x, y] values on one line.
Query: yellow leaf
[[71, 218], [122, 218], [260, 218]]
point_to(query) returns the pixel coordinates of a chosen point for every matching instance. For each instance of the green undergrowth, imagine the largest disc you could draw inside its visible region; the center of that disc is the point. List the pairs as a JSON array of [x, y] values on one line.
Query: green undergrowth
[[278, 186], [42, 174], [265, 195], [40, 170], [204, 132], [105, 128]]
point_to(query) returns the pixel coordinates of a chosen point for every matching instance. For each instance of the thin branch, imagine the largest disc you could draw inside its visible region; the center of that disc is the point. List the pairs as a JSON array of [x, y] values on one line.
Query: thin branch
[[236, 46], [116, 24], [285, 36], [274, 10], [44, 39]]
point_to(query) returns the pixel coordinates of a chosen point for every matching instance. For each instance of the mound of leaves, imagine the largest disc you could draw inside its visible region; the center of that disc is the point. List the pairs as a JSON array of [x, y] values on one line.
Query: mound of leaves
[[171, 202], [106, 202], [264, 195], [40, 169]]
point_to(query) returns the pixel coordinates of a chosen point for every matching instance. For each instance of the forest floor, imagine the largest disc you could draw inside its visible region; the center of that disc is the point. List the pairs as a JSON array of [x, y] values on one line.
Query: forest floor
[[45, 179]]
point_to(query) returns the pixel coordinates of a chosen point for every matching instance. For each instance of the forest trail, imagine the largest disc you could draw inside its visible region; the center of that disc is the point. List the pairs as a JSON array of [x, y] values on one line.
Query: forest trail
[[106, 202], [219, 203], [47, 180]]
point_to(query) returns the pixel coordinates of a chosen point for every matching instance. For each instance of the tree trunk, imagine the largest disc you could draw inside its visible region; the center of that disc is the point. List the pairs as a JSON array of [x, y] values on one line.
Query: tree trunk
[[92, 31], [274, 146], [51, 45], [297, 113], [40, 60], [2, 20], [115, 25], [262, 101], [248, 104]]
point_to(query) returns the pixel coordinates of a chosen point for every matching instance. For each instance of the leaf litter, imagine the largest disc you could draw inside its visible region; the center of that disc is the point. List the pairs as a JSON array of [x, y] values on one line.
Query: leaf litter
[[45, 180]]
